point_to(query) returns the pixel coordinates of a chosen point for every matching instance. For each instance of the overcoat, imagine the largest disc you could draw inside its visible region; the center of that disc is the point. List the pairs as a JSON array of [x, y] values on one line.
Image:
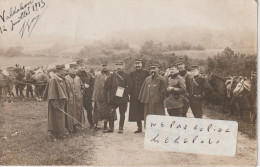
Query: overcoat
[[76, 99], [56, 93], [136, 110], [152, 94], [99, 97]]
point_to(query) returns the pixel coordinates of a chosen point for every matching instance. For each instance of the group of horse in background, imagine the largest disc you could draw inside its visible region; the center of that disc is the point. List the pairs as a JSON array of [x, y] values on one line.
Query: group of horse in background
[[19, 78], [236, 95]]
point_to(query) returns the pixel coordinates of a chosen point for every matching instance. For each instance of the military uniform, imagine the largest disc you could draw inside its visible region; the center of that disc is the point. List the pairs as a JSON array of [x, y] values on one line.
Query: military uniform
[[116, 82], [88, 81], [197, 88], [152, 94], [136, 110], [184, 74], [175, 95]]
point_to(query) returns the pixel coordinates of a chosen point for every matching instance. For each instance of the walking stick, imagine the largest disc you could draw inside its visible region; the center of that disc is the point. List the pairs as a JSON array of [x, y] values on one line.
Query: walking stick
[[72, 117]]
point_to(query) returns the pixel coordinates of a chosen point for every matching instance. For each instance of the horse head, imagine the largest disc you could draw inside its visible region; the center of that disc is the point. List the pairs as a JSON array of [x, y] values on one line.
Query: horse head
[[242, 86], [19, 73]]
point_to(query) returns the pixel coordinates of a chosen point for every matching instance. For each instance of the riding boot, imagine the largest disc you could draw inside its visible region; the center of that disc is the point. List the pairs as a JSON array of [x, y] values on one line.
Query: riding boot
[[111, 123], [74, 128]]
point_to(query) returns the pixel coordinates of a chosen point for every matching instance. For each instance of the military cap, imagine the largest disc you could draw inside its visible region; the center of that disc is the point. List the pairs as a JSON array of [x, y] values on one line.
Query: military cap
[[60, 67], [154, 65], [119, 63], [179, 63], [104, 63], [80, 61], [138, 60], [73, 65], [194, 67]]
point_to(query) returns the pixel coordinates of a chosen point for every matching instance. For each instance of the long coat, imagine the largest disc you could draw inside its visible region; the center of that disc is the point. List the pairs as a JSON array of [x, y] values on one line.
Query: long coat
[[57, 94], [136, 110], [152, 94], [76, 99], [99, 97]]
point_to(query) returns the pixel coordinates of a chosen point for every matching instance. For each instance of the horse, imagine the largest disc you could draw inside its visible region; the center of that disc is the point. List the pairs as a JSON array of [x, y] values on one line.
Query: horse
[[6, 85], [242, 97], [40, 81], [19, 77], [219, 95]]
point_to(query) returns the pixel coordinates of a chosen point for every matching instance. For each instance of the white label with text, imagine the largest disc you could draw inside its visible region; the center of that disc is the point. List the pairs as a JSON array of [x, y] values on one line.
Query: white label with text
[[190, 135]]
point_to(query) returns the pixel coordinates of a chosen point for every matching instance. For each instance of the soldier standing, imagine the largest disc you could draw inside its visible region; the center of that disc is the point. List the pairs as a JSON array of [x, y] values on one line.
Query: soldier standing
[[153, 92], [117, 88], [88, 82], [100, 110], [76, 97], [57, 94], [184, 73], [136, 111], [197, 87], [175, 93]]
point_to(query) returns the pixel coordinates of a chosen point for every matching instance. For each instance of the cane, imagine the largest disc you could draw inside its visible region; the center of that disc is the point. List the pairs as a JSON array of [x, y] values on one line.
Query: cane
[[72, 117]]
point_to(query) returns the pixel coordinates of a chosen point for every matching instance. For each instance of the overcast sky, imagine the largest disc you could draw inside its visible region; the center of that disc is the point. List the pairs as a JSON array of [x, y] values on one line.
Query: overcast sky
[[94, 19]]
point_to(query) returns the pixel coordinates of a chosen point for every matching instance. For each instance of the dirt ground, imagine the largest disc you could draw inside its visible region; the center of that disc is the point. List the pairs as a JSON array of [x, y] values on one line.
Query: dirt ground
[[24, 141]]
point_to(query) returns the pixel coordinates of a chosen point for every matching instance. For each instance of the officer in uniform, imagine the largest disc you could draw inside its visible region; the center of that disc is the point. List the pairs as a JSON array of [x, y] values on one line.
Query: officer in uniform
[[88, 82], [136, 110], [183, 73], [117, 88], [197, 87], [175, 93]]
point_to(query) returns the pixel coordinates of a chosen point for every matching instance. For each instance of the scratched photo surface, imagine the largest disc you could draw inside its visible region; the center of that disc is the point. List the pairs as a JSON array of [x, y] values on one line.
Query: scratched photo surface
[[79, 77]]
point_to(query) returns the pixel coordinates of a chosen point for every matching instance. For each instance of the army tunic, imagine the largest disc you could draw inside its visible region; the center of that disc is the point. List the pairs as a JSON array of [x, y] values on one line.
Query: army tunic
[[174, 98], [197, 87]]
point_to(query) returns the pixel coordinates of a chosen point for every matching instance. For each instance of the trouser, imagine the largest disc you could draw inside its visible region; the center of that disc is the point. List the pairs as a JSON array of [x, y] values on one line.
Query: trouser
[[186, 106], [29, 90], [87, 104], [196, 107], [122, 110], [175, 112], [139, 124]]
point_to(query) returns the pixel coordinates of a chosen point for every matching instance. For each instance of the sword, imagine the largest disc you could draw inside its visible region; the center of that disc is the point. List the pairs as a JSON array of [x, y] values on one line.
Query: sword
[[72, 117]]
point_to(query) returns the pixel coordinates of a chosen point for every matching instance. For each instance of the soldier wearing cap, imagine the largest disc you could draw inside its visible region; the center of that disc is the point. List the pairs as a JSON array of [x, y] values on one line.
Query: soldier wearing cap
[[117, 87], [136, 111], [176, 91], [197, 87], [183, 72], [57, 93], [152, 93], [76, 97], [99, 97]]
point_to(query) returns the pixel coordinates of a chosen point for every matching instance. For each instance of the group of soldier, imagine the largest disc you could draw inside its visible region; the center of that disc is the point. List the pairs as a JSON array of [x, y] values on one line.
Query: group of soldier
[[148, 92]]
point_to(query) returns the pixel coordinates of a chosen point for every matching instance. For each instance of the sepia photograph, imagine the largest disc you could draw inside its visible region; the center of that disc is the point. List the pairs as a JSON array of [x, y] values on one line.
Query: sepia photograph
[[128, 82]]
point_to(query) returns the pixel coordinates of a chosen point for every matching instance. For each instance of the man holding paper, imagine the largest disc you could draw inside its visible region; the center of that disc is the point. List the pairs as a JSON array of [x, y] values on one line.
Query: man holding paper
[[117, 88]]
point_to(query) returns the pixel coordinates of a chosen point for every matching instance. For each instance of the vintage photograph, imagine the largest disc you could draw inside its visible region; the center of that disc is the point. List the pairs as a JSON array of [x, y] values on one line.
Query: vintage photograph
[[128, 82]]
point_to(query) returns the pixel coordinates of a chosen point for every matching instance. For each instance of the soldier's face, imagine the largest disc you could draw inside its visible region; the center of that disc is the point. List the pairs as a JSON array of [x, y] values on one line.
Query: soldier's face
[[154, 70], [104, 67], [181, 67], [119, 67], [173, 70], [138, 65], [195, 72], [73, 71]]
